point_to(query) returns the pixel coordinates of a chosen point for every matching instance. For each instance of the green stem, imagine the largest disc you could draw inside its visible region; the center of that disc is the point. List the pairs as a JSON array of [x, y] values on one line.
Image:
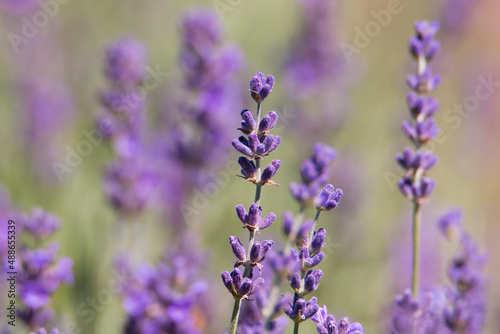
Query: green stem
[[416, 247], [235, 316], [296, 328]]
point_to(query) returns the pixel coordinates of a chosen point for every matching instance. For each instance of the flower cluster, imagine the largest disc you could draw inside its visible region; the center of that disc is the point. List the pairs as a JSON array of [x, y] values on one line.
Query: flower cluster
[[328, 325], [417, 316], [257, 144], [303, 278], [128, 182], [166, 298], [466, 303], [209, 66], [41, 271], [123, 111], [423, 47], [314, 173], [198, 130]]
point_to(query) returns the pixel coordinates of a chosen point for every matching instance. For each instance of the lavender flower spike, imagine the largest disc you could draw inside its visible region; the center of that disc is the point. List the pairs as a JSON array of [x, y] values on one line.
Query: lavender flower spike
[[415, 185], [255, 144]]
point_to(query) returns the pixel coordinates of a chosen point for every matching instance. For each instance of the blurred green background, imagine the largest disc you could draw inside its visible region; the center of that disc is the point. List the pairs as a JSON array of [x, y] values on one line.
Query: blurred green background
[[359, 280]]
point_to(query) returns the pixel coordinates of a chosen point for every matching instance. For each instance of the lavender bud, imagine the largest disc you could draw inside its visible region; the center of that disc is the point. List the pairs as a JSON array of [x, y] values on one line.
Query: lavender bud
[[253, 141], [248, 123], [254, 215], [266, 221], [311, 308], [248, 168], [323, 155], [318, 241], [270, 170], [288, 221], [311, 281], [295, 282], [432, 49], [426, 187], [242, 148], [328, 198], [406, 187], [236, 278], [259, 251], [238, 249], [242, 213], [451, 223], [316, 259], [228, 282], [245, 288]]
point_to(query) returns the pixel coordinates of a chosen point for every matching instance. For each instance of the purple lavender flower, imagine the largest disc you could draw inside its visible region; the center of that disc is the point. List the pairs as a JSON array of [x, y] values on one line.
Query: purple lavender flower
[[122, 120], [41, 271], [328, 198], [240, 287], [418, 316], [129, 186], [41, 224], [328, 325], [265, 314], [261, 86], [252, 219], [257, 145], [466, 299], [301, 310], [313, 58], [125, 60], [43, 331], [167, 298], [314, 173], [302, 234], [450, 225], [415, 185]]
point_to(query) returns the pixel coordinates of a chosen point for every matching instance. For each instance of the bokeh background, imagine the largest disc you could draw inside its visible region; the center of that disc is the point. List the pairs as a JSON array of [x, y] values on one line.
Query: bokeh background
[[366, 263]]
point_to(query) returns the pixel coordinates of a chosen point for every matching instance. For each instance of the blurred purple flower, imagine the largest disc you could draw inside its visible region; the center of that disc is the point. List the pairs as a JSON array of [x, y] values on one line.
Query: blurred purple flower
[[328, 325], [41, 271], [169, 297]]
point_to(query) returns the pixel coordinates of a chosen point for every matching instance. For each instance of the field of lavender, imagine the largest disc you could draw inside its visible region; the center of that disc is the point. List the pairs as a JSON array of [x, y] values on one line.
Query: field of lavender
[[230, 166]]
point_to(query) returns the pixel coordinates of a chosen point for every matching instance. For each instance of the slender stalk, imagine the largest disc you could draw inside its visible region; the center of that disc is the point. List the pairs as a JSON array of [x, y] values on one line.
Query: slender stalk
[[235, 316], [296, 328], [251, 240], [416, 248]]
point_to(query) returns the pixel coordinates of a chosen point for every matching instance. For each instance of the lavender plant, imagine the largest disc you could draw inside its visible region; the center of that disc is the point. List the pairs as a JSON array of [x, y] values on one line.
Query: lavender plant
[[466, 303], [303, 234], [257, 145], [128, 182], [415, 185], [167, 298], [209, 65], [41, 271]]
